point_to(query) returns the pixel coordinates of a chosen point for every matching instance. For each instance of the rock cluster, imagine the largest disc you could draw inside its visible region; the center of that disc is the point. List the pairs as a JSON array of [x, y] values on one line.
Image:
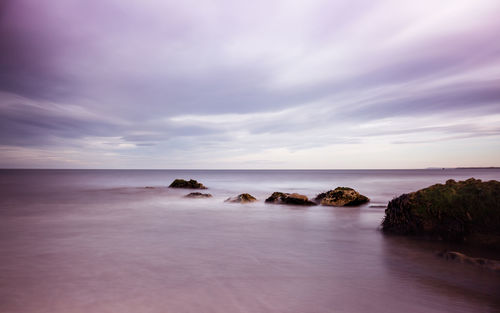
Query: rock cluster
[[188, 184], [289, 198], [341, 196], [242, 198]]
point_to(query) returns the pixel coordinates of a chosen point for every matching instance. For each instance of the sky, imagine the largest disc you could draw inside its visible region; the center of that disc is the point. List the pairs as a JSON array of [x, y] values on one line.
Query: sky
[[274, 84]]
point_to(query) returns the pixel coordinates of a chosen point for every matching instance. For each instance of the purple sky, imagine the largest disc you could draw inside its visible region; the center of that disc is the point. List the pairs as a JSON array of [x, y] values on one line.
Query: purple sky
[[254, 84]]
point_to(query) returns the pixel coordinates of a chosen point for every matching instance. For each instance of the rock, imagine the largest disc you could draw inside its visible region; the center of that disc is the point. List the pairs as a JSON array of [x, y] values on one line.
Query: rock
[[287, 198], [243, 198], [198, 195], [462, 258], [188, 184], [341, 196], [456, 211]]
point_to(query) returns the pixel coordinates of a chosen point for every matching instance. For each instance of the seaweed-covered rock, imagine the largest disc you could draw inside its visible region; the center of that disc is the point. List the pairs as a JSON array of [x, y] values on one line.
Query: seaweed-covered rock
[[198, 195], [289, 198], [242, 198], [456, 211], [341, 196], [188, 184]]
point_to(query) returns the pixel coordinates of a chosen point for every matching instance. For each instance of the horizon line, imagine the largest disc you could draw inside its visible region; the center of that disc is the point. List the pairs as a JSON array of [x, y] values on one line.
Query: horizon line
[[253, 169]]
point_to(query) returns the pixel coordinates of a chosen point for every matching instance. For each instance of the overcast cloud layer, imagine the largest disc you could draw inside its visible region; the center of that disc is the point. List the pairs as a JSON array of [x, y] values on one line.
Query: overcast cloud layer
[[254, 84]]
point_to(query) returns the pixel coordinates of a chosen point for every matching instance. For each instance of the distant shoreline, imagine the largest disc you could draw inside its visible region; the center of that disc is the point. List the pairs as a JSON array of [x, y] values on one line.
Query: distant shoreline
[[479, 168], [464, 168], [248, 169]]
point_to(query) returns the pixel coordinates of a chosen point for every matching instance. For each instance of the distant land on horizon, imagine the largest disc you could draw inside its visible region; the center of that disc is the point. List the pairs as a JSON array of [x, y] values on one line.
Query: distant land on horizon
[[463, 168], [261, 169]]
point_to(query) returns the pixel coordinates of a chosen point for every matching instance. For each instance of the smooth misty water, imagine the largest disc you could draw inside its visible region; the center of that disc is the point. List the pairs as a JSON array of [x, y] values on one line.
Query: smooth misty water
[[97, 241]]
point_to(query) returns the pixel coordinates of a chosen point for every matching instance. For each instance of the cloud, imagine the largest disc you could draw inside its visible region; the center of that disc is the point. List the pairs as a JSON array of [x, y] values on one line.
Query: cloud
[[205, 83]]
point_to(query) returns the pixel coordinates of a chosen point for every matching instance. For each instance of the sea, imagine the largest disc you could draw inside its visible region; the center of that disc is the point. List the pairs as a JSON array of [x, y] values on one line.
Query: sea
[[98, 241]]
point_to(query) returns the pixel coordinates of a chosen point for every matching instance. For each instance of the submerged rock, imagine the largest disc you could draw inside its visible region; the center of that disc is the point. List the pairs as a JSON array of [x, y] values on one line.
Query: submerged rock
[[456, 211], [242, 198], [188, 184], [198, 195], [341, 196], [462, 258], [289, 198]]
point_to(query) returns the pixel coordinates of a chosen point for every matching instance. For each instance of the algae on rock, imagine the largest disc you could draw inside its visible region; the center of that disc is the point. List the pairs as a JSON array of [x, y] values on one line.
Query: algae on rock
[[467, 210], [341, 196], [289, 198], [188, 184]]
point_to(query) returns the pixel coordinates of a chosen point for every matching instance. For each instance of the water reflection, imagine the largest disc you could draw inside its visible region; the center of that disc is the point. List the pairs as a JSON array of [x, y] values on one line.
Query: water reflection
[[101, 242], [416, 265]]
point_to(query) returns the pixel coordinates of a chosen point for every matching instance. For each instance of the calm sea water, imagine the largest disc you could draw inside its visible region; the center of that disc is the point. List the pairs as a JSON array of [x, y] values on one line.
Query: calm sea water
[[98, 241]]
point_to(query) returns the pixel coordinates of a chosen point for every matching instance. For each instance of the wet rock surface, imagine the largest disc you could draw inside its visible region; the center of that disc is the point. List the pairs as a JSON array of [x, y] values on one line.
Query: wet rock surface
[[198, 195], [341, 196], [242, 198], [187, 184], [456, 211], [289, 198], [454, 256]]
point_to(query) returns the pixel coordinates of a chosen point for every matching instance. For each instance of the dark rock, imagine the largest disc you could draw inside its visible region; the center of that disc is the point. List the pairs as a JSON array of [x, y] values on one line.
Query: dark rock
[[198, 195], [289, 198], [456, 211], [243, 198], [341, 196], [462, 258], [188, 184]]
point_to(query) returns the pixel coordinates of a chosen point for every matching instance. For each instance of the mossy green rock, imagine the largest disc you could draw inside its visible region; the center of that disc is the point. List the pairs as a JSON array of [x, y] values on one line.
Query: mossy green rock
[[341, 196], [467, 210], [188, 184], [289, 198]]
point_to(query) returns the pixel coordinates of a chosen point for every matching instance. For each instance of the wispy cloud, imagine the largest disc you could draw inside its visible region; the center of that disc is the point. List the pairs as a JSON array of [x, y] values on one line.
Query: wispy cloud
[[249, 84]]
